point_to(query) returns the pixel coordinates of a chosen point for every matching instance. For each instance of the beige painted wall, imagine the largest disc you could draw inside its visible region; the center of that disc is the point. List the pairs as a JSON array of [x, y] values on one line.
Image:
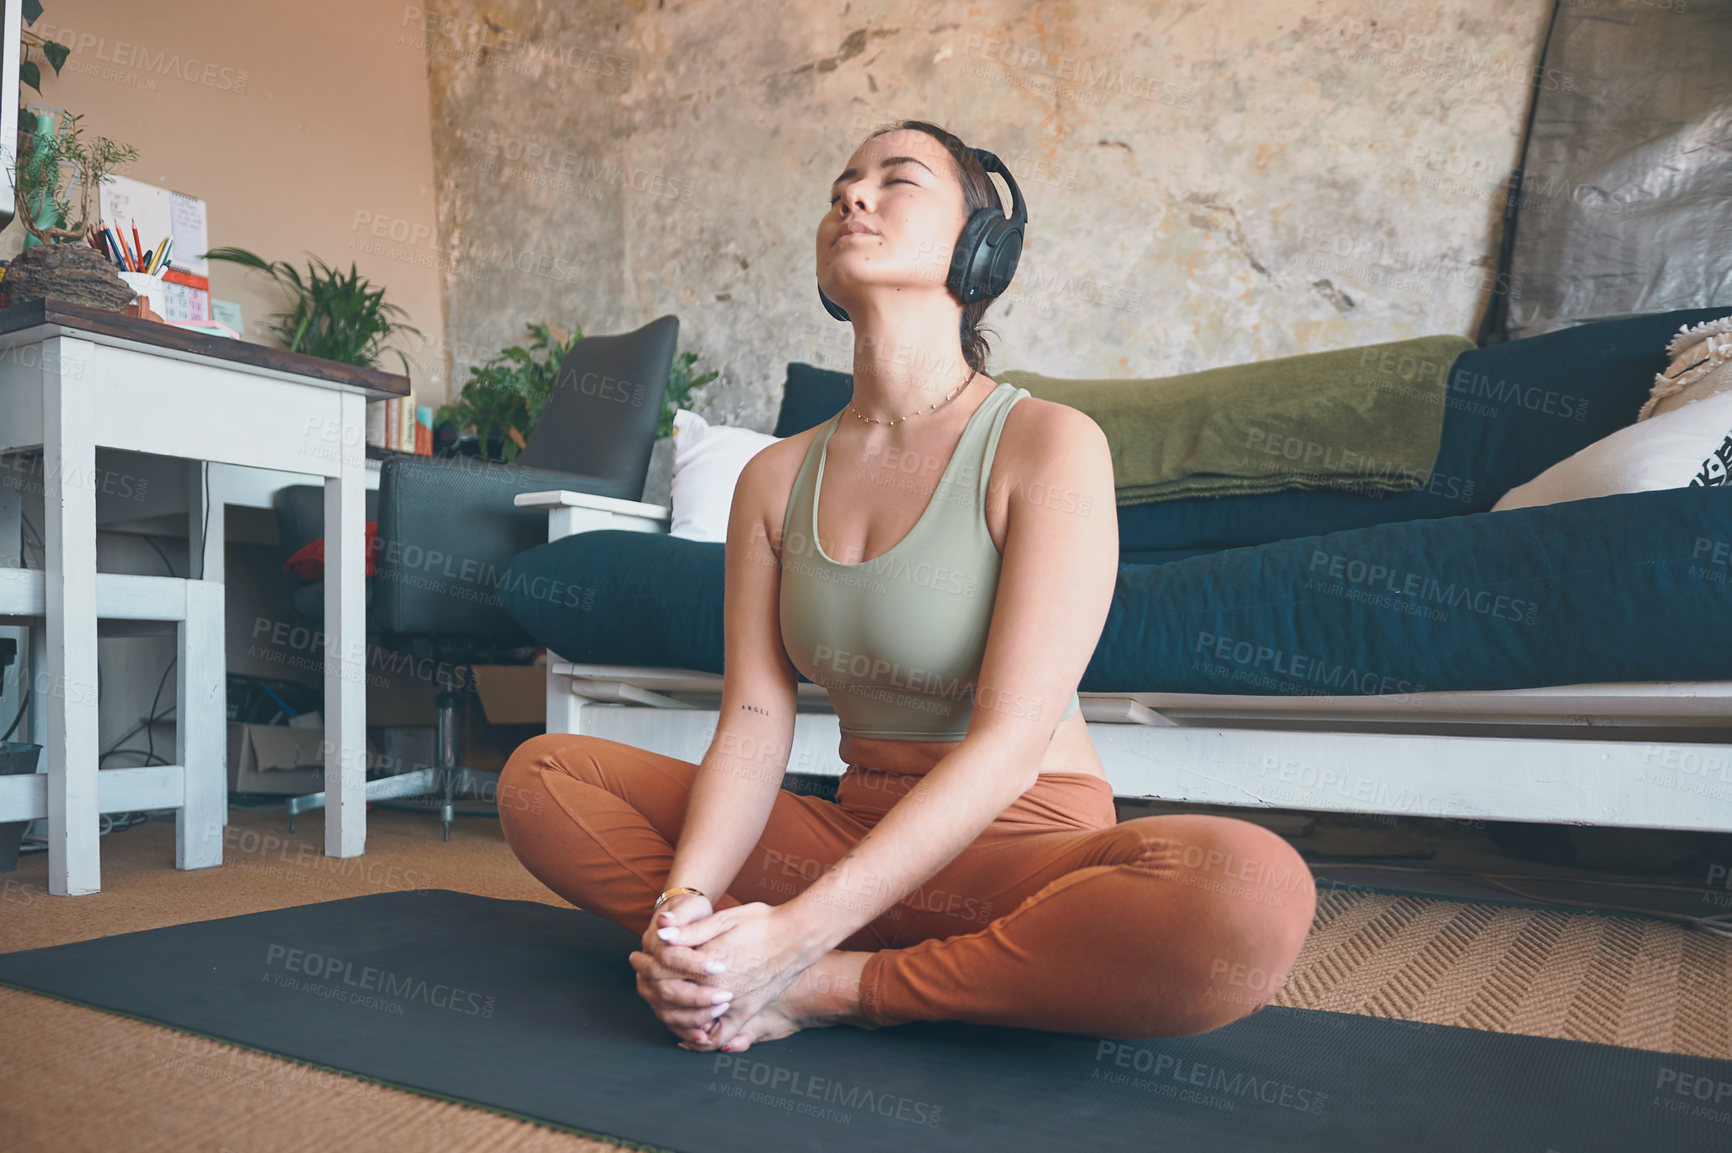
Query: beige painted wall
[[1277, 176], [303, 127]]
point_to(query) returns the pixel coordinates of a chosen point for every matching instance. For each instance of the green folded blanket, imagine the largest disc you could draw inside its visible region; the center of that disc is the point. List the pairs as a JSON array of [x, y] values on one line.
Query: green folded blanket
[[1365, 420]]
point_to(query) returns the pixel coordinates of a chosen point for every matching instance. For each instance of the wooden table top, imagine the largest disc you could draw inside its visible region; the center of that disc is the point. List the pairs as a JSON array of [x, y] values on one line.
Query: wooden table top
[[28, 314]]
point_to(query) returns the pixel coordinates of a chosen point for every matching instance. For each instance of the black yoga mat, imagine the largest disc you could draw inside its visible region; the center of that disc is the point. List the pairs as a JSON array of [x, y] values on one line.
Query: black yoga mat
[[530, 1010]]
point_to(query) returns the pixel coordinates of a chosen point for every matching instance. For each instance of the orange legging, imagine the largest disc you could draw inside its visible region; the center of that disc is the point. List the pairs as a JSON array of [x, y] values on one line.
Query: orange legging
[[1057, 917]]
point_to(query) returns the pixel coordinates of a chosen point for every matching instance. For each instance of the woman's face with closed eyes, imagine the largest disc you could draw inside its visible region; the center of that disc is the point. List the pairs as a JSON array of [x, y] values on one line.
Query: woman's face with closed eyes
[[894, 216]]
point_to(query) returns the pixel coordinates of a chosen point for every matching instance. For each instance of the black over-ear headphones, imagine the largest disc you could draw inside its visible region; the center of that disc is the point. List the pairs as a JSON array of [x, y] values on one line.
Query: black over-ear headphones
[[987, 251]]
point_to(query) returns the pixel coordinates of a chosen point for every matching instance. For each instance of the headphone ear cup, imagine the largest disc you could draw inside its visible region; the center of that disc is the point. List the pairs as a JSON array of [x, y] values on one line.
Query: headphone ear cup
[[965, 279], [991, 243], [1005, 247], [832, 307]]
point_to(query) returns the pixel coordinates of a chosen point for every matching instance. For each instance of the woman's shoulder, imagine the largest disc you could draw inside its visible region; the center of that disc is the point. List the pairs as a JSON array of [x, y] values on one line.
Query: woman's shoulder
[[766, 484], [1053, 455], [782, 458], [1041, 427]]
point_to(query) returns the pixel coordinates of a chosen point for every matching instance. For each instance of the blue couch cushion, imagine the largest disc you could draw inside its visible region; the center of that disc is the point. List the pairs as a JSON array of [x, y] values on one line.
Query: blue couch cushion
[[1635, 587], [1513, 411], [615, 597], [811, 397]]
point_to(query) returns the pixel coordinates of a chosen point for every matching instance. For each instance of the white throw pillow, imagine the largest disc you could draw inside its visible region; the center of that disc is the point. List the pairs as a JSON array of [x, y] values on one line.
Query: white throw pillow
[[1686, 446], [708, 460], [1701, 366]]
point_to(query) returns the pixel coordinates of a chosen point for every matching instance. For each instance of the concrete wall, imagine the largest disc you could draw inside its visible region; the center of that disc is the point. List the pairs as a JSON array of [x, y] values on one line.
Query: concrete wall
[[1209, 182], [299, 125]]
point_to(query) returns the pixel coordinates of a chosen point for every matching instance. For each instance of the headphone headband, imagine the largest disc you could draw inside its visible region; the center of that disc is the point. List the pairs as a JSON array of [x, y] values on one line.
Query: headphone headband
[[986, 253], [991, 162]]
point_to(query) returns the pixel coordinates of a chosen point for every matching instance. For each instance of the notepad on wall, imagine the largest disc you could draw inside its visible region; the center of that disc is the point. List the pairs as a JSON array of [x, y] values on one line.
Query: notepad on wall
[[159, 212], [129, 204], [187, 217]]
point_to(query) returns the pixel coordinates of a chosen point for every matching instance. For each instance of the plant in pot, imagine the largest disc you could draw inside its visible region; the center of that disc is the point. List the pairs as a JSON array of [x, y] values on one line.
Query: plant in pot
[[335, 315], [503, 399], [54, 165], [681, 382]]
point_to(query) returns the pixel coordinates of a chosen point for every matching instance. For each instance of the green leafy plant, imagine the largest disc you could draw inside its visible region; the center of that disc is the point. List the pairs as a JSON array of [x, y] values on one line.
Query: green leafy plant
[[502, 399], [29, 72], [680, 385], [336, 315], [50, 167]]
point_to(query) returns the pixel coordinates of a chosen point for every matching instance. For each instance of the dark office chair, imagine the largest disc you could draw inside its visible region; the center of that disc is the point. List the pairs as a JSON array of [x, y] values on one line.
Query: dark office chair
[[448, 527], [300, 510]]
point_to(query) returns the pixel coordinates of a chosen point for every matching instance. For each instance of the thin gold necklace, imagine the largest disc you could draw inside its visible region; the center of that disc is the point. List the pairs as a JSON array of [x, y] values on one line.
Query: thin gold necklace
[[954, 392]]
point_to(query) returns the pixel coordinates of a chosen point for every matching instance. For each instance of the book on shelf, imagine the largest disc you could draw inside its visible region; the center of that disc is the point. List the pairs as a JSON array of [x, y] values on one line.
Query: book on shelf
[[401, 425], [376, 422]]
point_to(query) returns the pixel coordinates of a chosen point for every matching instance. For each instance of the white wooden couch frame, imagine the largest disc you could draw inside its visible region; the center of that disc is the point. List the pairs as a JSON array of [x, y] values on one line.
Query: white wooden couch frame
[[1638, 755]]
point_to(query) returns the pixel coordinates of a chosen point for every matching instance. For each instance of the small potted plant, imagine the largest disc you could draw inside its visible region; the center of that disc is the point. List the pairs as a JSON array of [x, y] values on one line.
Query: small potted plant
[[337, 315], [503, 399], [54, 165]]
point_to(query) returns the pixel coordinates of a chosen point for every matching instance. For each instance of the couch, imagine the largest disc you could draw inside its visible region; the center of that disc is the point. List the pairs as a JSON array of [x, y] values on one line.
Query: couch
[[1409, 654]]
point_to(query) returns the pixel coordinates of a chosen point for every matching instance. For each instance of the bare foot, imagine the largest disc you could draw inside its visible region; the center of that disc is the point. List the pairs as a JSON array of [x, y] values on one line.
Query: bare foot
[[827, 993]]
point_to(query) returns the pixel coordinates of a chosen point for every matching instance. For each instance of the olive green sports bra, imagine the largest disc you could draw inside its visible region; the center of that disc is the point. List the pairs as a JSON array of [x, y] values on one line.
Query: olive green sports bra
[[897, 640]]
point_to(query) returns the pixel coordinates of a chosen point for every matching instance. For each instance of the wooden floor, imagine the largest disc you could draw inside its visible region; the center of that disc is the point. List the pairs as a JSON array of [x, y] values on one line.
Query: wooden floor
[[79, 1079]]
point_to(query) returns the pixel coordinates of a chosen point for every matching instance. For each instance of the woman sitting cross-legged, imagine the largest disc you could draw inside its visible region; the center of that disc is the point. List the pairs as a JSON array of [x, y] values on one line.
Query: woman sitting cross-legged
[[946, 579]]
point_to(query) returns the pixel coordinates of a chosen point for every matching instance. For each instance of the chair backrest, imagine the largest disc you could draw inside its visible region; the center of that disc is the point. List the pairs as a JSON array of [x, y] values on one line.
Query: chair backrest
[[601, 414]]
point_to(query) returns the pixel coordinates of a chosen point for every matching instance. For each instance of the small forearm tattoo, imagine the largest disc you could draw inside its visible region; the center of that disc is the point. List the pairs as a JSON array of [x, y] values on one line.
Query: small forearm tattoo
[[756, 709]]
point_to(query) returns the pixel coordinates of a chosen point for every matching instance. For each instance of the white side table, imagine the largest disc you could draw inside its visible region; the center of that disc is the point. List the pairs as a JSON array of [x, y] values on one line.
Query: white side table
[[73, 378]]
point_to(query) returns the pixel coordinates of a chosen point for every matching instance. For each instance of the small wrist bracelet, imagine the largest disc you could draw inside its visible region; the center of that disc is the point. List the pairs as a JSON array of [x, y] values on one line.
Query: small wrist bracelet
[[668, 894]]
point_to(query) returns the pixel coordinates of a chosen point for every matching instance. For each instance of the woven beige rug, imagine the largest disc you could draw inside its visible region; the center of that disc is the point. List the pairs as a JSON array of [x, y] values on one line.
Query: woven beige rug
[[95, 1081], [1633, 981]]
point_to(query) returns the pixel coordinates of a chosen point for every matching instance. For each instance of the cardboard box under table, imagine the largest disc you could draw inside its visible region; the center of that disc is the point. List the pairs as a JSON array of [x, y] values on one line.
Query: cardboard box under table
[[279, 759]]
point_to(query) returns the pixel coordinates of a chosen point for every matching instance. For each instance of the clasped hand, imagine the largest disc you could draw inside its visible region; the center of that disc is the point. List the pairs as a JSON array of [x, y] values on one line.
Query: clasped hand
[[706, 973]]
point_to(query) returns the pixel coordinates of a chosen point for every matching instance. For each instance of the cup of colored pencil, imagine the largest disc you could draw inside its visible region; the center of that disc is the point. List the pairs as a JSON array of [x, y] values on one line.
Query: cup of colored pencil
[[139, 267], [111, 240]]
